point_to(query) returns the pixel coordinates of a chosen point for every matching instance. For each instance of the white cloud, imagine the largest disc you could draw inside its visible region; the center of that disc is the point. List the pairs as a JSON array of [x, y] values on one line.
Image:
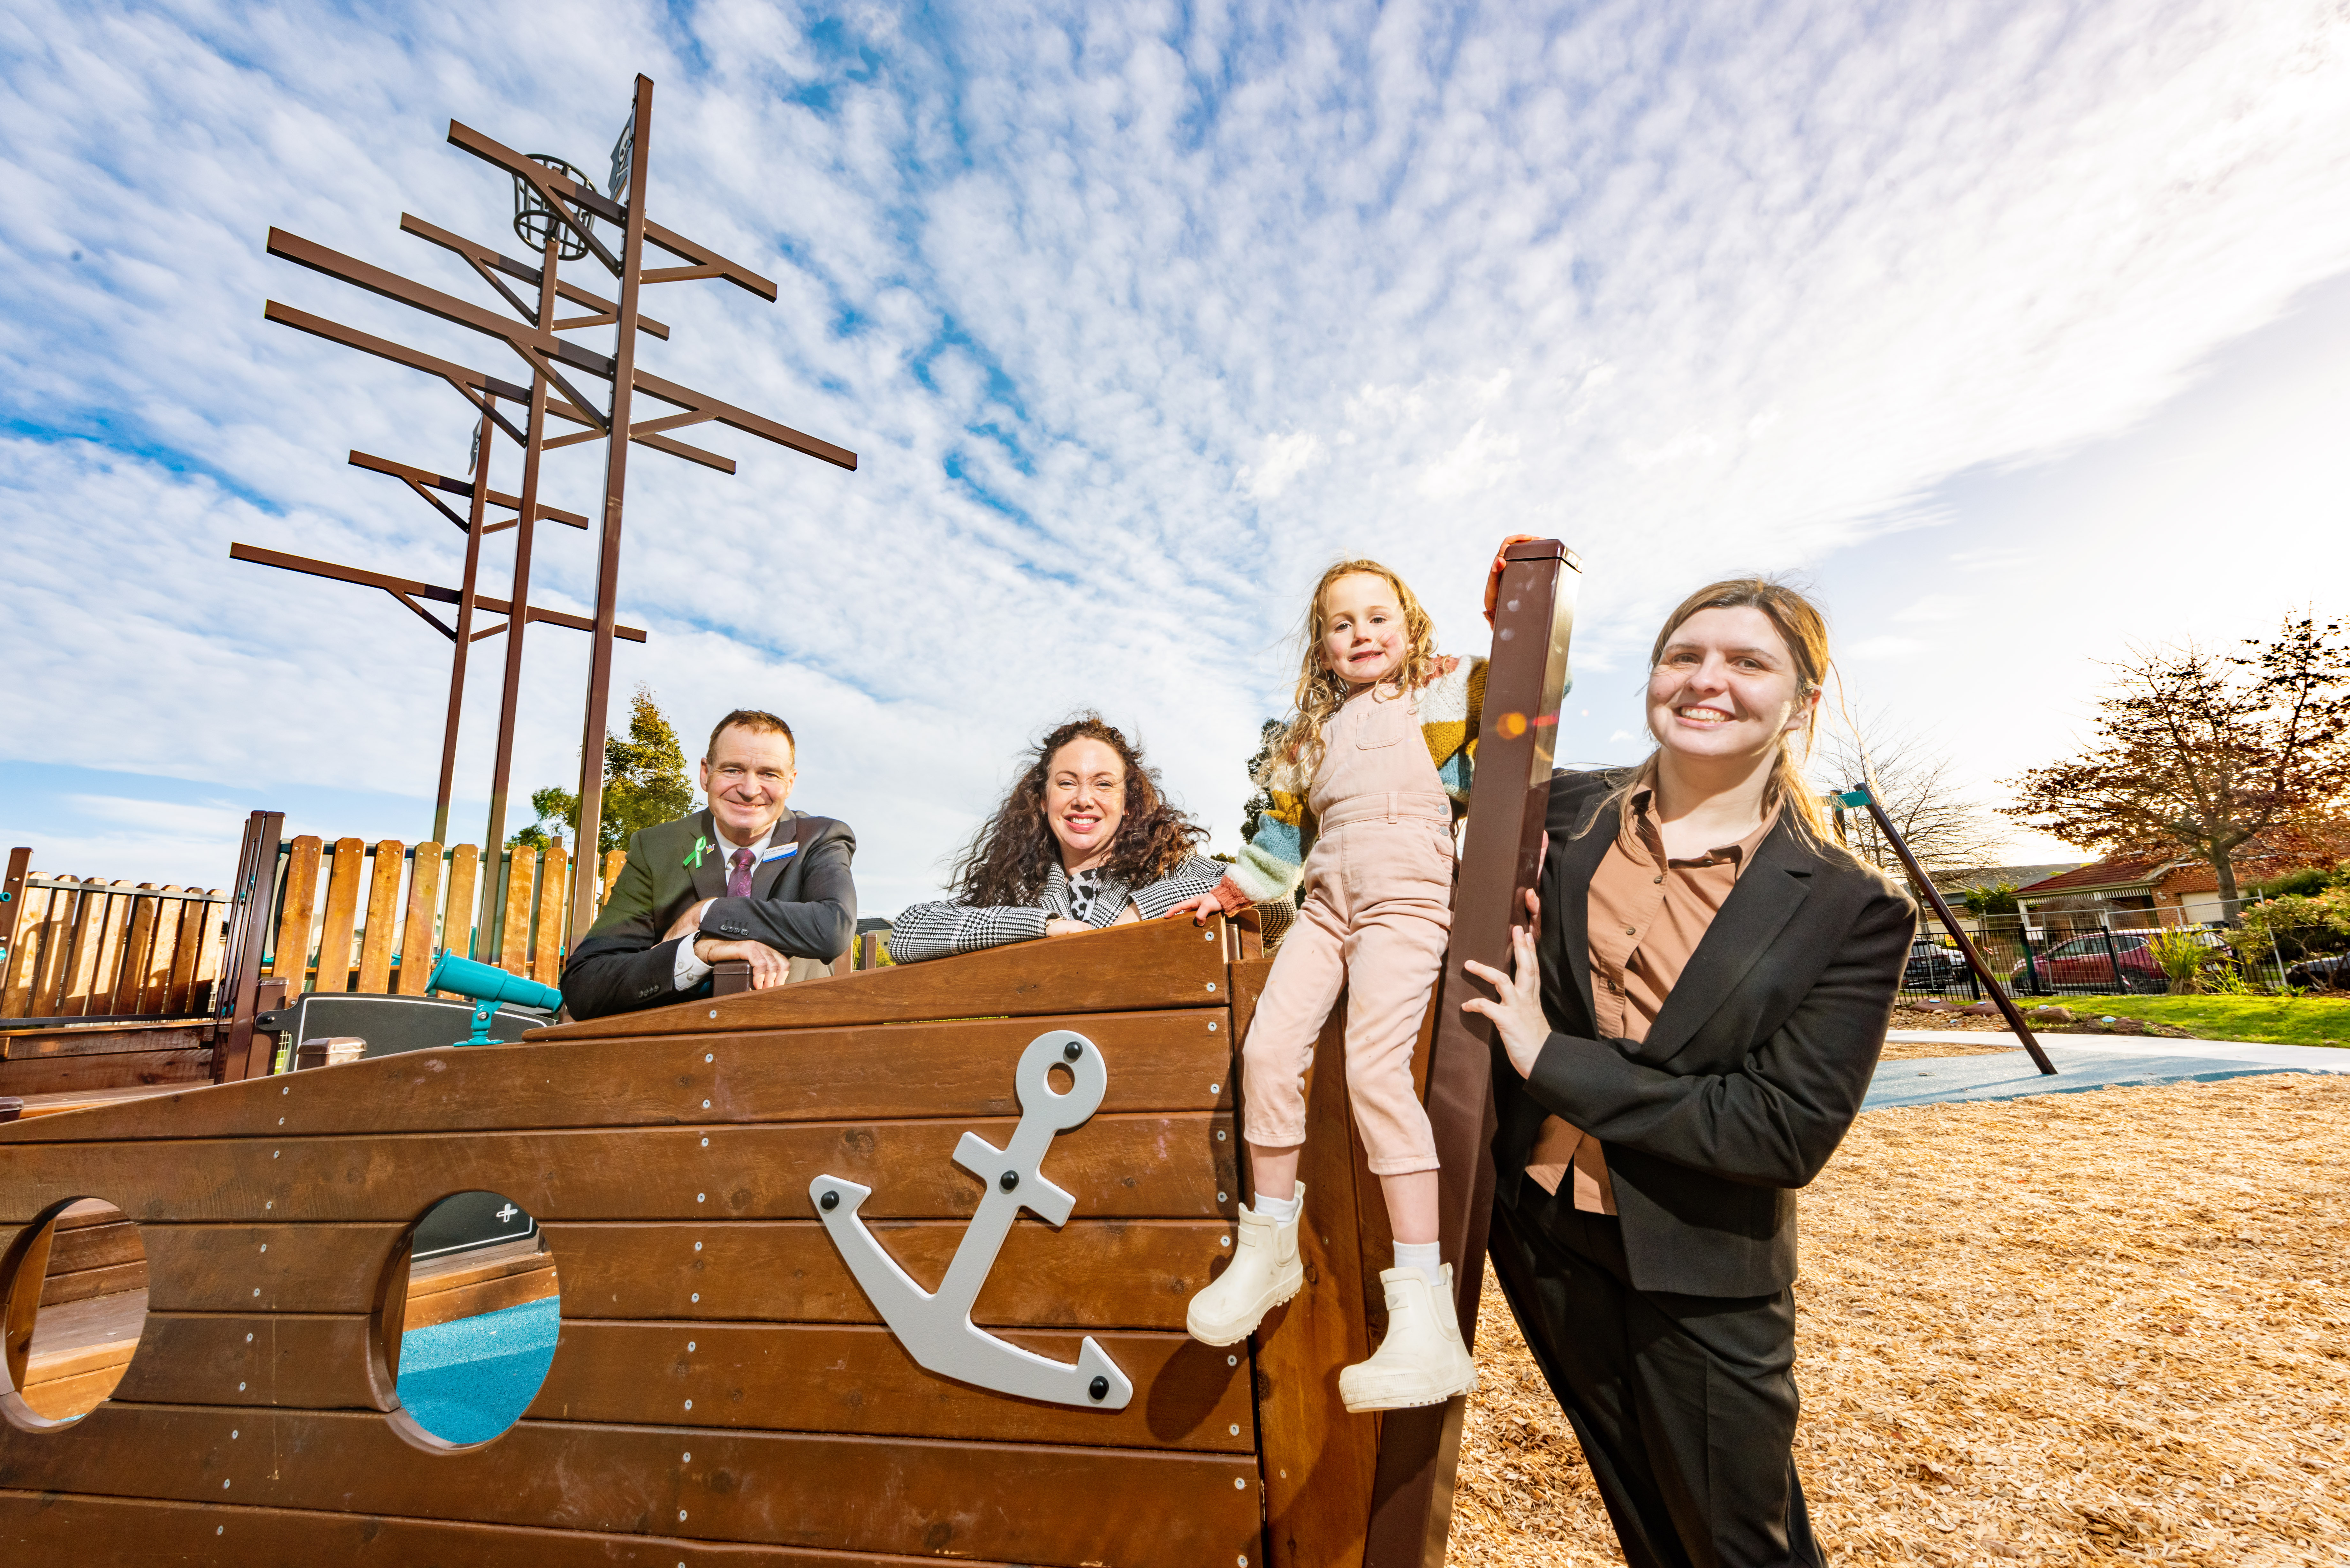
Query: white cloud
[[1282, 459], [1693, 287]]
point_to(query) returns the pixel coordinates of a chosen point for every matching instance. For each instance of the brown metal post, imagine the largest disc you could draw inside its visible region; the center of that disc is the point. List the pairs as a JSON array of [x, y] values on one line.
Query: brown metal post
[[1861, 794], [615, 479], [476, 517], [251, 902], [12, 903], [518, 619], [1411, 1494]]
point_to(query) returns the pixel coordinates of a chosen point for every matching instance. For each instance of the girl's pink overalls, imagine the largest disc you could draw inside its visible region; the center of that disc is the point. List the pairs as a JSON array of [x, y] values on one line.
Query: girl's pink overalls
[[1376, 911]]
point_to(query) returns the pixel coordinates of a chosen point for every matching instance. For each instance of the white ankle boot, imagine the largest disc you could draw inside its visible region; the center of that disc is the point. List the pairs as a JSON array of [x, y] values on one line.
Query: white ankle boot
[[1422, 1361], [1266, 1272]]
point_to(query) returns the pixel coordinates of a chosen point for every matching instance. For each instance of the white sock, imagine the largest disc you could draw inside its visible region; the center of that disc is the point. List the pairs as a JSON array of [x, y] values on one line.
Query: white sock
[[1280, 1211], [1426, 1256]]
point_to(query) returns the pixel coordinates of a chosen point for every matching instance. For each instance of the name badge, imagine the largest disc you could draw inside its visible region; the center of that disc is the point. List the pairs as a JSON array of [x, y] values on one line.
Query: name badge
[[788, 849]]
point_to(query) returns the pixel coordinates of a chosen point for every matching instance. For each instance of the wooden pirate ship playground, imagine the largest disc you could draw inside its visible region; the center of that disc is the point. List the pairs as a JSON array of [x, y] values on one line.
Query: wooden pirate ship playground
[[882, 1267], [889, 1266]]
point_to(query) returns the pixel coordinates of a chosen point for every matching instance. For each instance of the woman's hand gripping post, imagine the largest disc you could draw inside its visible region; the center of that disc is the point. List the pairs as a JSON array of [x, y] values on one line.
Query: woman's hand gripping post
[[1517, 1010]]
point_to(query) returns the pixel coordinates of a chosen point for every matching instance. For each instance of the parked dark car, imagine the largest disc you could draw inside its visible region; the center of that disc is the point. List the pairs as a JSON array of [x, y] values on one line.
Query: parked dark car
[[2084, 964], [1933, 967], [2329, 973]]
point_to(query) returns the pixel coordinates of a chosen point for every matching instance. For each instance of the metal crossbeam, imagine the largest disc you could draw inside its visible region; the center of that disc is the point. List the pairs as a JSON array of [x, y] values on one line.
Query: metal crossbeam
[[407, 590]]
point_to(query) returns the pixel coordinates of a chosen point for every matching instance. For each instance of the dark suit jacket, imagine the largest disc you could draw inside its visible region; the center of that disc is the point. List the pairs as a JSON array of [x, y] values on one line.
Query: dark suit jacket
[[803, 904], [1751, 1075]]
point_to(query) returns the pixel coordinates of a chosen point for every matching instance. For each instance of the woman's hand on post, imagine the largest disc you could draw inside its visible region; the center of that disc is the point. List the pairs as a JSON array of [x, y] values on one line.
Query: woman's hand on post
[[1517, 1010], [1199, 909], [1054, 928]]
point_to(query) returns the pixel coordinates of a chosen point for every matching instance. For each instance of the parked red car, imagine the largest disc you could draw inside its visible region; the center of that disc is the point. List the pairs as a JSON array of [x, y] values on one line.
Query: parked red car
[[2086, 964]]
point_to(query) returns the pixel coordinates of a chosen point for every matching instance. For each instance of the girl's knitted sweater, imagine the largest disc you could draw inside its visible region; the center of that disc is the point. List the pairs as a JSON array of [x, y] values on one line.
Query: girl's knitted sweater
[[1274, 863]]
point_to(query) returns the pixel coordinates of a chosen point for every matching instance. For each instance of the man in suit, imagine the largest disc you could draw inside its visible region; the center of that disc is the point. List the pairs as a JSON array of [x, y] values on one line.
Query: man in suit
[[746, 877]]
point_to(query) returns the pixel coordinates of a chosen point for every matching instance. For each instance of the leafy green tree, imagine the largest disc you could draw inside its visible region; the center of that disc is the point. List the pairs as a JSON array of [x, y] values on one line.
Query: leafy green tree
[[1999, 898], [645, 782]]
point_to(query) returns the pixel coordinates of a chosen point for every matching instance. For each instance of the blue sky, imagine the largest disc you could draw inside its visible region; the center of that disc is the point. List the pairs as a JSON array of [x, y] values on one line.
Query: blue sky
[[2018, 329]]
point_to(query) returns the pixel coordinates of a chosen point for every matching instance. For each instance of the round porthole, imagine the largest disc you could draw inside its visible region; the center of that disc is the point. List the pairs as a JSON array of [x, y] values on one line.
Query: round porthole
[[467, 1324], [72, 1288]]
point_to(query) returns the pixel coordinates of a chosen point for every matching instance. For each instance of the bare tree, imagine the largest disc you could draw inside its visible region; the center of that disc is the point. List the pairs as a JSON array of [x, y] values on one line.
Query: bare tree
[[1946, 829], [2197, 754]]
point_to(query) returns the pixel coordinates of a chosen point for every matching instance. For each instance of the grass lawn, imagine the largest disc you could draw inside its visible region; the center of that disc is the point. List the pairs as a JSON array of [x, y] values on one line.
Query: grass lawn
[[2271, 1020]]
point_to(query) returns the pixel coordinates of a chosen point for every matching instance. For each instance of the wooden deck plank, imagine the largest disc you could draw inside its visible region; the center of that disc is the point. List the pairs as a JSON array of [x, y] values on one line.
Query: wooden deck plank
[[107, 955], [81, 950], [289, 960], [51, 1527], [1134, 1166], [1089, 1274], [547, 950], [339, 925], [101, 1040], [138, 942], [196, 925], [1176, 1060], [41, 1104], [1021, 1502], [514, 926], [1162, 963], [65, 1329], [417, 933], [779, 1377], [303, 1360], [18, 967], [382, 923], [88, 1081], [155, 985], [457, 930], [831, 1379]]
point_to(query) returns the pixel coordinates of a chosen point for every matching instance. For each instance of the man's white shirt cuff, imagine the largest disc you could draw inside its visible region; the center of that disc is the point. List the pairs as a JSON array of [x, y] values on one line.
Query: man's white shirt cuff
[[690, 968]]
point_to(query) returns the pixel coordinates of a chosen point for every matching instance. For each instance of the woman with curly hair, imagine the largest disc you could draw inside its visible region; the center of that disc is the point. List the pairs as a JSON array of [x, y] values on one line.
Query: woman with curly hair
[[1084, 840]]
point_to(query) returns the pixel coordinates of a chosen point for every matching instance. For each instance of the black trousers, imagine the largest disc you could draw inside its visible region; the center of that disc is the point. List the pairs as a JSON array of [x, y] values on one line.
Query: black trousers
[[1685, 1405]]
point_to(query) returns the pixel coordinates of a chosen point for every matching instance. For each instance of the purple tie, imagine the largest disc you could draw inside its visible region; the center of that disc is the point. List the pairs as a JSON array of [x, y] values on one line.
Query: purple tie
[[738, 881]]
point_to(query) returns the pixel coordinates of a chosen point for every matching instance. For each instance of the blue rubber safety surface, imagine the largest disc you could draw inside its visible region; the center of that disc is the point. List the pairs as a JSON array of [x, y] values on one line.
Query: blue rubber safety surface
[[1936, 1080], [469, 1380]]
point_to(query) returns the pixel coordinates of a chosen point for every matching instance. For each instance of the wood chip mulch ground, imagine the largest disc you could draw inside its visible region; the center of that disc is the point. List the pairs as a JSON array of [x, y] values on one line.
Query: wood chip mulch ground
[[2111, 1326], [2069, 1022], [1911, 1049]]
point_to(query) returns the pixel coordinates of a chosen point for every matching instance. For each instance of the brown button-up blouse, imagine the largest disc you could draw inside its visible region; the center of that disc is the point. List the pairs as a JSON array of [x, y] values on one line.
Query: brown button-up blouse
[[1646, 914]]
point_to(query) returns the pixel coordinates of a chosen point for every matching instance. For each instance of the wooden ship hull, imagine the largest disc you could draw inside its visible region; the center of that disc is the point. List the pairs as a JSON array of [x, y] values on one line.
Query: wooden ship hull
[[726, 1389]]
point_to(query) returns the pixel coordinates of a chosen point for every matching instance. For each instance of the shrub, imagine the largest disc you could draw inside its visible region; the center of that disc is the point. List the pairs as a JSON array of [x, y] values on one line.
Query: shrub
[[2298, 926], [2182, 957]]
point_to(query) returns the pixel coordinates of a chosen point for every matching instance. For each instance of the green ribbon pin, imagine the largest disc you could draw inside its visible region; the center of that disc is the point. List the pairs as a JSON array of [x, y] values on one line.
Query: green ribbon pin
[[702, 846]]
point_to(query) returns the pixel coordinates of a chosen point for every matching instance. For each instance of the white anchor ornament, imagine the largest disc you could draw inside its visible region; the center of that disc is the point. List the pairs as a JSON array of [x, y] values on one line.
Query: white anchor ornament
[[936, 1329]]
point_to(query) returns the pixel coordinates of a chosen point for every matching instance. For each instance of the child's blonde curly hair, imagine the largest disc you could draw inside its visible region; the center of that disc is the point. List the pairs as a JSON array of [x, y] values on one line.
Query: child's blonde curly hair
[[1296, 752]]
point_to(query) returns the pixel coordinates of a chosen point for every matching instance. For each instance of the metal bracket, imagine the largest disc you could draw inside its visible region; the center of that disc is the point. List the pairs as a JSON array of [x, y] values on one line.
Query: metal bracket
[[936, 1329]]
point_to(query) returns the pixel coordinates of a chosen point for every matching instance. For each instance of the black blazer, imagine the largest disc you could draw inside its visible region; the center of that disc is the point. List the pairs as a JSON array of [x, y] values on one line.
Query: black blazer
[[803, 904], [1751, 1075]]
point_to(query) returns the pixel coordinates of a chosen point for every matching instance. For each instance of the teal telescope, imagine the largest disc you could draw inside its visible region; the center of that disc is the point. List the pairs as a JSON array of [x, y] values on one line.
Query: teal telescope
[[489, 985]]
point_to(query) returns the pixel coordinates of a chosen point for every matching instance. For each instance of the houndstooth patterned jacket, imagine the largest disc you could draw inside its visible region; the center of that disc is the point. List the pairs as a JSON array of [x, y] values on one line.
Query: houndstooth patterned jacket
[[949, 926]]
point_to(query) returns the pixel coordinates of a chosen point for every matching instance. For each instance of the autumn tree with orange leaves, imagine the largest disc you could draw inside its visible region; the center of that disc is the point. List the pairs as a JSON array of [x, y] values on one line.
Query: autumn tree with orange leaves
[[2196, 752]]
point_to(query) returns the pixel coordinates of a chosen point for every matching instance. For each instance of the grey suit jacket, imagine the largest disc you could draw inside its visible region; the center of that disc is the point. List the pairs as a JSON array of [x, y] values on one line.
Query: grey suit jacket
[[1749, 1078], [803, 903]]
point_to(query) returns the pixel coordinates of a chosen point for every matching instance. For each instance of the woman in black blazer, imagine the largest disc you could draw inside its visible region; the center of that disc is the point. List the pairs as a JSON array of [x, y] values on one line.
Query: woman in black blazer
[[1750, 1012]]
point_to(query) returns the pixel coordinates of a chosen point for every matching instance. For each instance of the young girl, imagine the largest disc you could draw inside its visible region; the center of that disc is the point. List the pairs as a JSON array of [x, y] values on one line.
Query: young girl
[[1365, 780]]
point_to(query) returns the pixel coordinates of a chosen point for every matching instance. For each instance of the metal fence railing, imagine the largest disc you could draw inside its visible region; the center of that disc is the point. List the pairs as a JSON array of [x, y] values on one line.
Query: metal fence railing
[[2105, 953]]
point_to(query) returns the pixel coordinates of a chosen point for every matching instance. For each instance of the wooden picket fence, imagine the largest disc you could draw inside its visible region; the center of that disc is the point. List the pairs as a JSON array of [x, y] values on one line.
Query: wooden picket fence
[[89, 949], [353, 916]]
